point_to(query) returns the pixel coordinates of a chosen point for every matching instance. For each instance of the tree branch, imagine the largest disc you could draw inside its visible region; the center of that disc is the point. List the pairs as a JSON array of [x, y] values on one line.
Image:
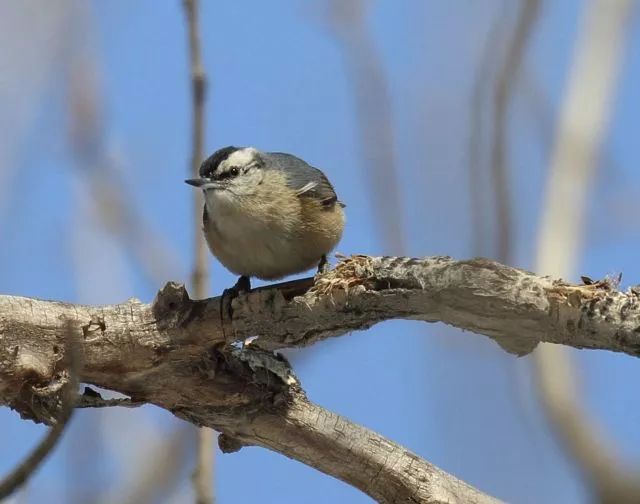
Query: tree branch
[[176, 353], [516, 308], [253, 398], [60, 396], [385, 471]]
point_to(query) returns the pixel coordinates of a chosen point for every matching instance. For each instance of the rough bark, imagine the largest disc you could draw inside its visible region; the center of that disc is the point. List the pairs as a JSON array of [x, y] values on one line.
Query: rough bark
[[177, 353], [252, 397]]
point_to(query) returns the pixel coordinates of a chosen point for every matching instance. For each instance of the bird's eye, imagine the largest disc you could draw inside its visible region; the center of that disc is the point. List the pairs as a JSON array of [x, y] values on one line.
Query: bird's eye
[[233, 171]]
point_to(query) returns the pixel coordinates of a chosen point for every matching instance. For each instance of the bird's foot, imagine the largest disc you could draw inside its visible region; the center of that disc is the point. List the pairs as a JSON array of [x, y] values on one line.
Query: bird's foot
[[323, 266], [242, 286]]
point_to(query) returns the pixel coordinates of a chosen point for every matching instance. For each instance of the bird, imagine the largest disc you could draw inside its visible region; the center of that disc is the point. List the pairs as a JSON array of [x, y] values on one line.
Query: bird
[[267, 215]]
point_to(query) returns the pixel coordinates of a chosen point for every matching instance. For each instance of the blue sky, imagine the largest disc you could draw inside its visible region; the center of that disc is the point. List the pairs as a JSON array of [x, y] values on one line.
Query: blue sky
[[278, 82]]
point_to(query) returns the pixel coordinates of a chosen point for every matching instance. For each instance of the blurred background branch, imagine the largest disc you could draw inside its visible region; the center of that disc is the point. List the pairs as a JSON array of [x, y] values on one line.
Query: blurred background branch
[[482, 85], [163, 464], [583, 122], [38, 29], [104, 190], [347, 20], [98, 168], [506, 85], [203, 473]]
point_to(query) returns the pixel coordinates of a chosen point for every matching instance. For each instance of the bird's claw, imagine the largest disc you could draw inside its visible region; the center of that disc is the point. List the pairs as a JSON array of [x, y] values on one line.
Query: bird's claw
[[323, 266], [242, 286]]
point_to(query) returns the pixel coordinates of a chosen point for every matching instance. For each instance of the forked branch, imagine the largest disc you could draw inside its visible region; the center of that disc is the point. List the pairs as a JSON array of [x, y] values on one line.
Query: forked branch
[[178, 353]]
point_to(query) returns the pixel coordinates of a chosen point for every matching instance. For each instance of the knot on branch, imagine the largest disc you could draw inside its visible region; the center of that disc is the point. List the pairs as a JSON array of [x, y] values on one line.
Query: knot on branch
[[39, 376], [171, 296], [170, 299], [41, 393], [47, 402], [31, 367], [96, 326], [229, 444]]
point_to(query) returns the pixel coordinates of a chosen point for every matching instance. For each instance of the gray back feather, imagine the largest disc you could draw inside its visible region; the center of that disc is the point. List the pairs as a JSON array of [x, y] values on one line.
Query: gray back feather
[[302, 177]]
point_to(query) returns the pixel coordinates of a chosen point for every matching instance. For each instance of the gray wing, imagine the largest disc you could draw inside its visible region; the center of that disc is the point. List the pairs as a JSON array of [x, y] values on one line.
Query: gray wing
[[306, 180]]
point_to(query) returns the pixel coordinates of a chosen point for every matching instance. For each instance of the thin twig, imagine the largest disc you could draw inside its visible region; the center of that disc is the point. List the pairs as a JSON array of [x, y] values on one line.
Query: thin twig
[[203, 473], [596, 62], [32, 462], [505, 87]]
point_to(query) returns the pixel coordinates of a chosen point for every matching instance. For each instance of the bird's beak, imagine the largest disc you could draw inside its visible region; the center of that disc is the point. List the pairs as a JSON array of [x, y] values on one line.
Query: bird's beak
[[205, 183], [196, 182]]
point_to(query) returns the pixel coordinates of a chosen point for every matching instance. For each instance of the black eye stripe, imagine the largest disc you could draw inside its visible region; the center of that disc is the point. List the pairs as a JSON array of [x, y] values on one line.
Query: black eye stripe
[[234, 171]]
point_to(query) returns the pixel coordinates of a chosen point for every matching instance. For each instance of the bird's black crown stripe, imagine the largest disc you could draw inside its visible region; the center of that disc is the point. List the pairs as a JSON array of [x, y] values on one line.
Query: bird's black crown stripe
[[211, 164]]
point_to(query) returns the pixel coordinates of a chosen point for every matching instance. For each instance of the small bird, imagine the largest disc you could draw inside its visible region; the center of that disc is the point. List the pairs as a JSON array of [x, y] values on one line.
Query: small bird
[[267, 214]]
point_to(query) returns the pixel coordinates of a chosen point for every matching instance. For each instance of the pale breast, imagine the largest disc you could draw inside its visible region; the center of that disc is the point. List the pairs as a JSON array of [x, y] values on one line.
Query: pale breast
[[251, 250], [270, 240]]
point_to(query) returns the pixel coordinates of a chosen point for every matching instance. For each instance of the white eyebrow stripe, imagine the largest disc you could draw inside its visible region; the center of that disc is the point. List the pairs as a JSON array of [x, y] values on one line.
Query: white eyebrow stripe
[[241, 157], [307, 187]]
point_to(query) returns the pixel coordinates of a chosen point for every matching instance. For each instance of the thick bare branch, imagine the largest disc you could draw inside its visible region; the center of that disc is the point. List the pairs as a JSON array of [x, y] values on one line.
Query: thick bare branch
[[253, 398], [175, 354], [516, 308], [382, 469]]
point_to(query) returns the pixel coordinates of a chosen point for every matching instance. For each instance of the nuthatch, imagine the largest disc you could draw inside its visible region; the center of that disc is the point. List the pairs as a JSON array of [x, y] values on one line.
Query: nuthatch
[[267, 214]]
